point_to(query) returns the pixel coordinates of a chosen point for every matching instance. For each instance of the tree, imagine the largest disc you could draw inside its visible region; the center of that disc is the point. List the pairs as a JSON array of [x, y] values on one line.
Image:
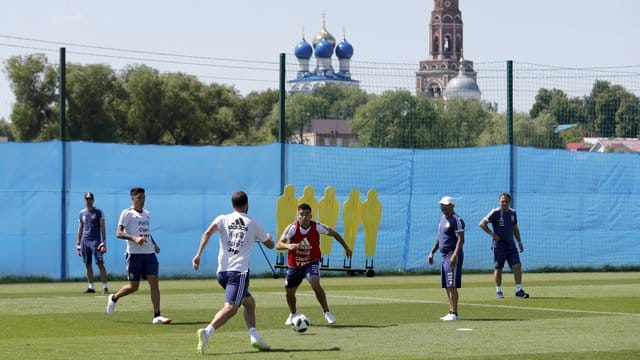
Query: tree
[[5, 129], [93, 94], [461, 122], [300, 109], [259, 105], [495, 131], [628, 116], [181, 109], [537, 132], [342, 101], [395, 119], [533, 132], [556, 103], [605, 105], [256, 108], [612, 110], [144, 116], [222, 109], [33, 81]]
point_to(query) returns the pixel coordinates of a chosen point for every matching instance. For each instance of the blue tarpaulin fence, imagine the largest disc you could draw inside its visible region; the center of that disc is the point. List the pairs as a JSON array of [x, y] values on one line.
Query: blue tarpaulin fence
[[575, 209]]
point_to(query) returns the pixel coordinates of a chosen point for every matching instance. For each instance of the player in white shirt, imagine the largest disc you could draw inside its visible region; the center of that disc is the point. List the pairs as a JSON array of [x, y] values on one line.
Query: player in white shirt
[[238, 232], [134, 227]]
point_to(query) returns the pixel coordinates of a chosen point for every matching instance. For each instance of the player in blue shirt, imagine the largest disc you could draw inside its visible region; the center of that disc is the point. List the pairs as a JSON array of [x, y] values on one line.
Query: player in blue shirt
[[450, 241], [504, 222], [92, 242]]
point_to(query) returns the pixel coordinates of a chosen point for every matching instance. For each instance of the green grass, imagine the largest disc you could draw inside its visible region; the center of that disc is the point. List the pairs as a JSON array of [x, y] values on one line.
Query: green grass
[[569, 316]]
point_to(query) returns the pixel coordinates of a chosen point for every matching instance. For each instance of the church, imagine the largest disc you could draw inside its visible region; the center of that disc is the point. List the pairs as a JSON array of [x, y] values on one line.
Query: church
[[323, 47], [446, 74]]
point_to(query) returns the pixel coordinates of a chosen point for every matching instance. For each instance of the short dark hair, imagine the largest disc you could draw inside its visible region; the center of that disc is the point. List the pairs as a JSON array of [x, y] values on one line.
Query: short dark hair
[[239, 199], [136, 191], [304, 206], [506, 194]]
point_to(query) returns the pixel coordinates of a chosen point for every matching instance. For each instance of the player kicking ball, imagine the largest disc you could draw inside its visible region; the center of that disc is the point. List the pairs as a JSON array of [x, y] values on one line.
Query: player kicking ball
[[302, 240]]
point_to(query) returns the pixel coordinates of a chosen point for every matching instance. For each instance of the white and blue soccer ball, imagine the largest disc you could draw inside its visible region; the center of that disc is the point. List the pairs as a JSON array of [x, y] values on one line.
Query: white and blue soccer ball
[[300, 323]]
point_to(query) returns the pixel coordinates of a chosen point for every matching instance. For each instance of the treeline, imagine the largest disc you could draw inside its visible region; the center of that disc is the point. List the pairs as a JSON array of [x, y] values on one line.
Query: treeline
[[143, 106]]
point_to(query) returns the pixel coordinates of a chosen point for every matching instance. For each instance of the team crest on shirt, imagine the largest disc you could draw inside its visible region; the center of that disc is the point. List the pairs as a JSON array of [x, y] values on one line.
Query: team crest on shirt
[[94, 216], [447, 225]]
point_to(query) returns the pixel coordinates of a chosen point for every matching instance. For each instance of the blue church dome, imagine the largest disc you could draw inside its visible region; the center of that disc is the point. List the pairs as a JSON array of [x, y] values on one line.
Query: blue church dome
[[344, 50], [324, 49], [303, 50]]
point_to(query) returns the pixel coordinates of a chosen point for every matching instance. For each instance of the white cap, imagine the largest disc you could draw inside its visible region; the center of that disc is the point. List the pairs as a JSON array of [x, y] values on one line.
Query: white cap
[[446, 200]]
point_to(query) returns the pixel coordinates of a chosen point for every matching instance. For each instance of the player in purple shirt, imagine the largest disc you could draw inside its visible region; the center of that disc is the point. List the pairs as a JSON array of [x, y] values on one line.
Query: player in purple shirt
[[504, 223], [91, 241], [450, 241]]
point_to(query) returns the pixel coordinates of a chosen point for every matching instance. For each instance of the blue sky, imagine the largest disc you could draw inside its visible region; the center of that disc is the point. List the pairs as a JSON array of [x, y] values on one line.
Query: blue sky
[[571, 33]]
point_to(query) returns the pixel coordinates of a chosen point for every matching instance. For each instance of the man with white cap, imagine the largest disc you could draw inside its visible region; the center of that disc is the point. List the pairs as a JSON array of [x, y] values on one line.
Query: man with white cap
[[450, 241]]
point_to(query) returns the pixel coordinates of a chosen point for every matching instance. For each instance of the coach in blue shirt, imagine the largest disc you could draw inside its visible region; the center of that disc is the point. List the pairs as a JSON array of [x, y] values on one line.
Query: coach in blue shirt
[[504, 223]]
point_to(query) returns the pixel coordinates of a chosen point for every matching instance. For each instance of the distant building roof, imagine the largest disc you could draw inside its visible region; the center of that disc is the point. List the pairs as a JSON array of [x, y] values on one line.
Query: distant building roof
[[615, 144], [329, 126], [578, 146], [462, 86], [563, 127]]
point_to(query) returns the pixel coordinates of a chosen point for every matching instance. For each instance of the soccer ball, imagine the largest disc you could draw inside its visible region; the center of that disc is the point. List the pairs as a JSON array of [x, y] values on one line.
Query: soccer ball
[[300, 323]]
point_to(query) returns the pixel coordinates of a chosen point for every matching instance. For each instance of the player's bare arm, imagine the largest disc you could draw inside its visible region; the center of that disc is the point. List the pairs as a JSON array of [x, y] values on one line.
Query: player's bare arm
[[155, 245], [103, 232], [121, 234], [203, 244], [484, 226], [434, 248], [283, 244], [269, 243], [78, 248], [456, 251], [339, 239], [516, 234]]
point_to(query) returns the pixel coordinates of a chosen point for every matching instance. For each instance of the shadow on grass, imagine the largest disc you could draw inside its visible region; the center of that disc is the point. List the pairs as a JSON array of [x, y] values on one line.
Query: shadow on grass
[[190, 323], [550, 298], [492, 319], [335, 348], [278, 350], [355, 326], [173, 323]]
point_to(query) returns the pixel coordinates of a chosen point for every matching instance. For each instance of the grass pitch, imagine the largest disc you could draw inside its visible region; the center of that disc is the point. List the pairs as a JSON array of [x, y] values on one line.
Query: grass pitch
[[569, 316]]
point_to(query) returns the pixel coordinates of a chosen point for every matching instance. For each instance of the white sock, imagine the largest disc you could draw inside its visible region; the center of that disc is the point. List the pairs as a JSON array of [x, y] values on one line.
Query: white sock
[[91, 286], [209, 330], [518, 287], [253, 332], [498, 288], [104, 286]]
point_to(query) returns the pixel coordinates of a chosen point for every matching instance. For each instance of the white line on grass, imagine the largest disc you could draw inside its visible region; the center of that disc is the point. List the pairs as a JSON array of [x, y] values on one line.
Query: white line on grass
[[485, 305]]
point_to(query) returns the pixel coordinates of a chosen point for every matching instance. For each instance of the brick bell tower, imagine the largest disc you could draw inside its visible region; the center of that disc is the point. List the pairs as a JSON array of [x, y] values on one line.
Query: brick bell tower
[[445, 48]]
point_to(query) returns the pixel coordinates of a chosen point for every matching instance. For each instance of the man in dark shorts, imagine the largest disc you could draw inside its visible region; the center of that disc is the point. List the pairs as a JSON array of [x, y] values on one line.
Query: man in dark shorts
[[134, 226], [238, 232], [92, 242], [302, 241], [450, 241], [504, 222]]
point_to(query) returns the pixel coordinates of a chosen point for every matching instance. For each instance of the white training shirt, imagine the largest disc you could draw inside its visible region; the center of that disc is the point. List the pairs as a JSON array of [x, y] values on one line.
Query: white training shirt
[[137, 224], [238, 232], [290, 230]]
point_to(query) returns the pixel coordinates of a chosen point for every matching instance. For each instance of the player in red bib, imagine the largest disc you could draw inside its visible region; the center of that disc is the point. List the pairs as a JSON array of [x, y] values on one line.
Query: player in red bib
[[302, 240]]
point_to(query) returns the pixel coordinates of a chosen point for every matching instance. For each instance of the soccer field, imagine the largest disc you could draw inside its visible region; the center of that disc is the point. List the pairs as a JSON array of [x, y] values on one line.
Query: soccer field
[[569, 316]]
